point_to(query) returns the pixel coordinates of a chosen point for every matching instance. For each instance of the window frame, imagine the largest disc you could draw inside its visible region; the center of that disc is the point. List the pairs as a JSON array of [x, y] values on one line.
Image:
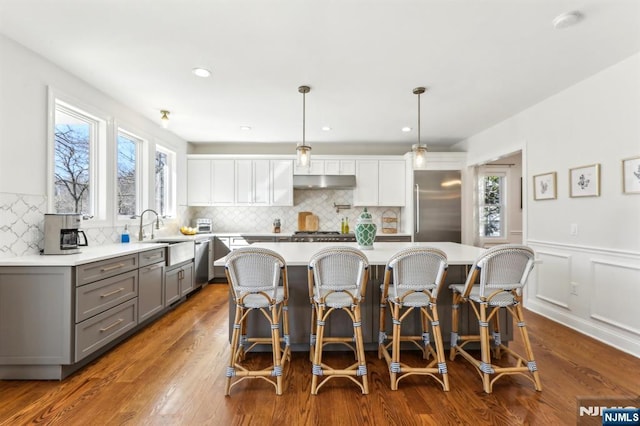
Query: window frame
[[172, 178], [141, 181], [98, 172], [502, 174]]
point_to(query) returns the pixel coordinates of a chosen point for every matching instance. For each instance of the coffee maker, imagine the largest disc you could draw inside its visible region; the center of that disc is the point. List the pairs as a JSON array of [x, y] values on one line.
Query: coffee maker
[[62, 234]]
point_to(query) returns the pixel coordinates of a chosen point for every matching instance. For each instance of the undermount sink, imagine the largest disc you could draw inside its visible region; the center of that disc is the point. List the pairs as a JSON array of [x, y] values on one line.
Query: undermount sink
[[177, 251]]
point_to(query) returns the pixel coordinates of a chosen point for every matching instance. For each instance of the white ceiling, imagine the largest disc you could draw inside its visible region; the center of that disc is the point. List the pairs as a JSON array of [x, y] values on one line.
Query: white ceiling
[[481, 60]]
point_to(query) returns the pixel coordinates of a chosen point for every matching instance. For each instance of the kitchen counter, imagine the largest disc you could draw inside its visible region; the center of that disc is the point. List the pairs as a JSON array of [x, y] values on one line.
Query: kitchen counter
[[86, 255], [298, 254]]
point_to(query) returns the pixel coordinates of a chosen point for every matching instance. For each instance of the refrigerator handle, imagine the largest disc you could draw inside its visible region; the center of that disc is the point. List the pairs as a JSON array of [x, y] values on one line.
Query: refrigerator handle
[[417, 216]]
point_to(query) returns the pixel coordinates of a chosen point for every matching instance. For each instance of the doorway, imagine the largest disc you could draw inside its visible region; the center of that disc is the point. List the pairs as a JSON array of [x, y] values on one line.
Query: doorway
[[499, 201]]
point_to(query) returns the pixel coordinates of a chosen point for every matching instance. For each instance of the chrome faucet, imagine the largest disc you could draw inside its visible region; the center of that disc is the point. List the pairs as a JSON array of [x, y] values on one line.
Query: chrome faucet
[[141, 232]]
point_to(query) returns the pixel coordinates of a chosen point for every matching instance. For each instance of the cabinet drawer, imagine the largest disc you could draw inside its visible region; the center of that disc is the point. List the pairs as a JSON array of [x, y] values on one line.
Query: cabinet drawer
[[152, 256], [91, 299], [96, 332], [95, 271]]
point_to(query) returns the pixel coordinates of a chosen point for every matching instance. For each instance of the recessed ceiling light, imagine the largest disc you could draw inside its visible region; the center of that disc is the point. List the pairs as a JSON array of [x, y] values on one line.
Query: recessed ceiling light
[[326, 128], [245, 128], [406, 129], [567, 19], [201, 72]]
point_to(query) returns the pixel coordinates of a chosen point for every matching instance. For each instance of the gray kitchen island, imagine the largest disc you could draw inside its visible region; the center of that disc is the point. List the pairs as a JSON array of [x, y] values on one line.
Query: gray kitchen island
[[297, 256]]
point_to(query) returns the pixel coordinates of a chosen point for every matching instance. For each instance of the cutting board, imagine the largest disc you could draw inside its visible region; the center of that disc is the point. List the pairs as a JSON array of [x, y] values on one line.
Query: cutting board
[[311, 223], [302, 220]]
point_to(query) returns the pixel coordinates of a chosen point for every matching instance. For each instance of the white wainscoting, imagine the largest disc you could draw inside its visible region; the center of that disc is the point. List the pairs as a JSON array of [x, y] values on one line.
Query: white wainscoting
[[595, 291]]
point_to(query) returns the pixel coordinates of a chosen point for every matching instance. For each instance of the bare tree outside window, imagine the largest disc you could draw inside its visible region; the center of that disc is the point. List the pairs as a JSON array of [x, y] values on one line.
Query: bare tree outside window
[[127, 200], [162, 182], [72, 174], [491, 208]]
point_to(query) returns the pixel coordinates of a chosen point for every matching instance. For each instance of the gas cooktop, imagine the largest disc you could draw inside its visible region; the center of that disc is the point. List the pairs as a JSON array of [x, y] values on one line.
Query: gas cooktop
[[316, 233]]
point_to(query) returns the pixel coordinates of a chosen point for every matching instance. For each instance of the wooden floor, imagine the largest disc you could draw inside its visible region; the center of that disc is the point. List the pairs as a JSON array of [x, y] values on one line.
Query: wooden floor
[[172, 373]]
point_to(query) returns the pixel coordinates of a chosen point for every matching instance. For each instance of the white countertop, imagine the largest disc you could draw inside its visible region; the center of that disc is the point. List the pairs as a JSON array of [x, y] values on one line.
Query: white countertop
[[298, 254], [86, 255]]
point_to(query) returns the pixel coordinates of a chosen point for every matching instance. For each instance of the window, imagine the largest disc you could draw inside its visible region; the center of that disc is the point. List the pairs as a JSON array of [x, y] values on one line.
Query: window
[[128, 174], [492, 205], [165, 182], [79, 137]]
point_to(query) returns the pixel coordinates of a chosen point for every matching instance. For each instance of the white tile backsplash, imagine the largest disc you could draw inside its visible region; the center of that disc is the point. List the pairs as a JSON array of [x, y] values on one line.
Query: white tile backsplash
[[260, 219], [22, 225]]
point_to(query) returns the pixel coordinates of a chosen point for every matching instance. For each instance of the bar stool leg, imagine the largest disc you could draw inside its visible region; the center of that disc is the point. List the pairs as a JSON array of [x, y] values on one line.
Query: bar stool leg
[[235, 336], [317, 357], [437, 335], [485, 349], [394, 368], [362, 363], [455, 312], [275, 343], [383, 325], [527, 347]]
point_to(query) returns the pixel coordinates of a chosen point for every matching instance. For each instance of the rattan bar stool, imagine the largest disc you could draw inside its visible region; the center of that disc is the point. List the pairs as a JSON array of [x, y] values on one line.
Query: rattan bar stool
[[258, 283], [418, 274], [503, 271], [337, 281]]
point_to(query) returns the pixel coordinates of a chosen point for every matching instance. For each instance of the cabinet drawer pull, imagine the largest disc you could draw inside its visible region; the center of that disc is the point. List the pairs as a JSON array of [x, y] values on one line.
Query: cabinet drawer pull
[[152, 267], [102, 330], [111, 268], [111, 293], [153, 256]]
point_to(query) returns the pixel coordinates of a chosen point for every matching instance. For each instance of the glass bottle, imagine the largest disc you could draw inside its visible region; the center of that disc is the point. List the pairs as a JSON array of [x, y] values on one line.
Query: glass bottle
[[346, 225]]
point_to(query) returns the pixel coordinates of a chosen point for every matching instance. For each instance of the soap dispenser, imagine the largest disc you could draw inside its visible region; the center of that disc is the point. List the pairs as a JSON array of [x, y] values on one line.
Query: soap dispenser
[[124, 238]]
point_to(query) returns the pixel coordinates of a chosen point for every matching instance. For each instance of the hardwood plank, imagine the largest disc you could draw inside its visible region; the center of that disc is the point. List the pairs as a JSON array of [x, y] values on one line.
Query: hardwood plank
[[172, 373]]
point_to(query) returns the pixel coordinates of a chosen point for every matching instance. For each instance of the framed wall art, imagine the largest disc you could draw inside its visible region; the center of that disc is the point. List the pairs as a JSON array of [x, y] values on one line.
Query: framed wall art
[[631, 175], [544, 186], [584, 181]]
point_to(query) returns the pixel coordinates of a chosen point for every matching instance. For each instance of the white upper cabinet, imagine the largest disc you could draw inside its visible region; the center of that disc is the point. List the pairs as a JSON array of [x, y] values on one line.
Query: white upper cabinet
[[199, 183], [252, 182], [210, 182], [281, 182], [379, 183], [391, 182], [339, 167], [366, 191], [239, 182], [223, 182]]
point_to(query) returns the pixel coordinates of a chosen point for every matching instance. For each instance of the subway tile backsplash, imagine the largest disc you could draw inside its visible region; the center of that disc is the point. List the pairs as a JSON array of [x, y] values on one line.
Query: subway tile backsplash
[[260, 219]]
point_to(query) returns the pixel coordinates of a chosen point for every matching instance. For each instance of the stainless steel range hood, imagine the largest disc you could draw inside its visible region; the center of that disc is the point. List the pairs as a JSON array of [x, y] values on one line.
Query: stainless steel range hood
[[324, 181]]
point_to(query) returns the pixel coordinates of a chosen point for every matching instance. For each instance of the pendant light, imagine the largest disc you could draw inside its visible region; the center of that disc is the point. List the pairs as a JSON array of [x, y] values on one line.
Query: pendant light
[[303, 151], [419, 151]]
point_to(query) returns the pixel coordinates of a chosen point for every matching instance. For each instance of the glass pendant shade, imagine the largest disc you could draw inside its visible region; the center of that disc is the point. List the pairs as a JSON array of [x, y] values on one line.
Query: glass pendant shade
[[419, 155], [303, 155]]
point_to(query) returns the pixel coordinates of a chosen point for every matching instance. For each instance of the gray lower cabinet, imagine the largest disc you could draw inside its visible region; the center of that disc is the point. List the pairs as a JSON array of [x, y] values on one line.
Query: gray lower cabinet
[[178, 282], [150, 290], [54, 320]]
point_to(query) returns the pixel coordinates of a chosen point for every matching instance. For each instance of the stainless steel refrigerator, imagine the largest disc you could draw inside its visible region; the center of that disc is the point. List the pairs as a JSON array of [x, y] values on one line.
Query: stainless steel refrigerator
[[437, 205]]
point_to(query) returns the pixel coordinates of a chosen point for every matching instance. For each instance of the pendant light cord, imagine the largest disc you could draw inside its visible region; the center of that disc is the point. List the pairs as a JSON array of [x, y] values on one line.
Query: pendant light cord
[[418, 120], [304, 119]]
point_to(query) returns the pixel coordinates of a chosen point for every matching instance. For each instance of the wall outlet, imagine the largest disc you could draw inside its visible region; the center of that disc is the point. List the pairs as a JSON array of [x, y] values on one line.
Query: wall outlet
[[574, 288], [574, 229]]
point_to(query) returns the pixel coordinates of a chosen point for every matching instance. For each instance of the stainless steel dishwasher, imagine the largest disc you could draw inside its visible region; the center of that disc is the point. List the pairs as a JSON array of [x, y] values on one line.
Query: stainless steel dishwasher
[[202, 262]]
